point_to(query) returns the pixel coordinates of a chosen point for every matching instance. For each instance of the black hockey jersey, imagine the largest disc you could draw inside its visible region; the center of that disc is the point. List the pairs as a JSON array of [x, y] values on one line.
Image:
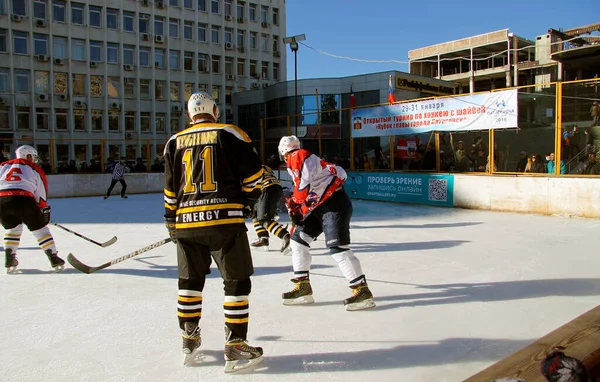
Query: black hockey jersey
[[211, 172], [269, 178]]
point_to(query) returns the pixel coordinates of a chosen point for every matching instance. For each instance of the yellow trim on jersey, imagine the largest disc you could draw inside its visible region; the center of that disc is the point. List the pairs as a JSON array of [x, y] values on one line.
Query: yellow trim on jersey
[[254, 178], [236, 320], [170, 194], [236, 131], [171, 207], [189, 299], [209, 223], [210, 207], [235, 303], [250, 189], [189, 315]]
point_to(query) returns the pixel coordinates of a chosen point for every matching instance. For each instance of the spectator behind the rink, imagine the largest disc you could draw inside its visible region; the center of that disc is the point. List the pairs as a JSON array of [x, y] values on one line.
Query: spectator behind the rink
[[523, 161], [591, 165], [551, 165], [537, 167]]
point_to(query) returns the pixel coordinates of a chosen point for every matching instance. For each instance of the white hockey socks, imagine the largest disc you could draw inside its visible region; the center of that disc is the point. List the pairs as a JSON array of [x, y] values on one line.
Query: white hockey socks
[[301, 259], [349, 265], [45, 239], [12, 237]]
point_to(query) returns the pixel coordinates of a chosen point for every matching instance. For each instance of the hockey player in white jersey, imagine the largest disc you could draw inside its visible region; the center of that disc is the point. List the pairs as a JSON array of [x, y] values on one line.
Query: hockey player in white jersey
[[319, 204], [23, 196]]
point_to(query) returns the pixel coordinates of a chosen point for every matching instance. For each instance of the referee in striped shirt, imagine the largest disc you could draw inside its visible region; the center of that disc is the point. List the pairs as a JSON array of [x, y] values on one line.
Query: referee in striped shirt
[[118, 175]]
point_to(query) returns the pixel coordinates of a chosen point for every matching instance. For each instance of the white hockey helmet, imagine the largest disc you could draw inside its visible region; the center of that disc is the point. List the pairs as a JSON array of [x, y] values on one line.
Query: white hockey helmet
[[202, 103], [26, 150], [288, 144]]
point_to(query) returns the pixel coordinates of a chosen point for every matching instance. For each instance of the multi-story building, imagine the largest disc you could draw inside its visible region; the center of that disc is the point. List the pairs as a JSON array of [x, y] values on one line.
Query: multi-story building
[[84, 79]]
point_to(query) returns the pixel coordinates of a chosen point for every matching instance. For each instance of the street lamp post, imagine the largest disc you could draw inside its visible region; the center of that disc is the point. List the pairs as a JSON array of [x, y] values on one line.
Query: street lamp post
[[293, 41]]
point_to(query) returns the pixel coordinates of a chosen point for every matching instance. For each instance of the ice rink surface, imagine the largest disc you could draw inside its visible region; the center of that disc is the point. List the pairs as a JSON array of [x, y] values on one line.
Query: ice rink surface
[[456, 290]]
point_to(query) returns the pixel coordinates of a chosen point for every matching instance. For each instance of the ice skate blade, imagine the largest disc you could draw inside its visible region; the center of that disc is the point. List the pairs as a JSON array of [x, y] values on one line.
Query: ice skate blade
[[11, 270], [287, 251], [304, 300], [235, 366], [191, 358], [366, 304], [58, 268]]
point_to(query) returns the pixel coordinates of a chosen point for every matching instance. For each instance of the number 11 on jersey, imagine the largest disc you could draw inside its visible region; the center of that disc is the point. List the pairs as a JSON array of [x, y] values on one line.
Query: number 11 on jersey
[[207, 184]]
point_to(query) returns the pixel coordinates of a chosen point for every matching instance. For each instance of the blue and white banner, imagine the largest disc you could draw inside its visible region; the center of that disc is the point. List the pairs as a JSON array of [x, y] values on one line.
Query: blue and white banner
[[484, 111], [430, 189]]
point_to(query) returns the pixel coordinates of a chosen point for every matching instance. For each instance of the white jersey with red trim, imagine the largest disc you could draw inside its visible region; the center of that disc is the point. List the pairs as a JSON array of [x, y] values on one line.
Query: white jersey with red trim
[[314, 179], [22, 177]]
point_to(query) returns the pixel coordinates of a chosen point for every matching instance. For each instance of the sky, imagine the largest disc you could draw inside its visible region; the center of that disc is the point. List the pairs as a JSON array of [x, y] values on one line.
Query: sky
[[518, 276], [387, 29]]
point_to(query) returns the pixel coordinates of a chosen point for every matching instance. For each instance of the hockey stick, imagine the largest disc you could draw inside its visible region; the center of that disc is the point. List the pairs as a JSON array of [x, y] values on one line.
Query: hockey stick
[[87, 269], [103, 245]]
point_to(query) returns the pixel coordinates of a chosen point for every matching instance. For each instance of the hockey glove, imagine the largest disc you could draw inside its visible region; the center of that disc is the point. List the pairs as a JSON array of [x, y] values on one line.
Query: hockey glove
[[46, 215], [170, 224], [249, 212], [296, 218]]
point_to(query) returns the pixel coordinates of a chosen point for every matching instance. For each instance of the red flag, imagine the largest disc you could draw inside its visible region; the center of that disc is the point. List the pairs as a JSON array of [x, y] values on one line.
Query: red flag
[[391, 98], [352, 99]]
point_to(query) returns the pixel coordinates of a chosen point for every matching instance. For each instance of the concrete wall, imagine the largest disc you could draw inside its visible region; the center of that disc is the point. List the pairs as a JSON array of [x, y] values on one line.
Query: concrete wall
[[71, 185], [541, 195]]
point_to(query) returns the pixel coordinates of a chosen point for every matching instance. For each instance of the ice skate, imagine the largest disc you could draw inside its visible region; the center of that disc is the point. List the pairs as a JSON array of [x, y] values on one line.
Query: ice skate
[[285, 247], [123, 196], [240, 356], [191, 341], [56, 262], [106, 197], [361, 298], [11, 261], [301, 294], [262, 242]]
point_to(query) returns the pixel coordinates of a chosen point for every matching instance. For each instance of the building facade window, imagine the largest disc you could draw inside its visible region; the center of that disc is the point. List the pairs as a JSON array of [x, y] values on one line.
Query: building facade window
[[113, 88], [214, 34], [265, 69], [128, 24], [144, 88], [61, 119], [129, 54], [130, 121], [96, 50], [129, 88], [253, 39], [227, 8], [202, 32], [113, 120], [78, 84], [202, 5], [276, 71], [159, 26], [4, 118], [173, 28], [19, 8], [216, 93], [160, 122], [174, 59], [97, 120], [79, 120], [3, 40], [240, 9], [77, 49], [59, 13], [174, 3], [159, 90], [61, 85], [159, 58], [23, 113], [241, 64], [264, 13], [22, 81], [20, 42], [252, 12], [253, 68], [188, 28], [202, 62], [95, 15], [275, 16], [112, 18], [42, 81], [228, 35], [174, 91], [188, 89], [214, 6], [40, 44], [59, 47], [188, 60], [145, 121], [229, 65], [216, 64], [112, 53], [144, 56], [264, 42], [4, 80], [97, 86], [42, 118], [241, 36], [188, 4], [77, 13], [39, 9], [144, 23]]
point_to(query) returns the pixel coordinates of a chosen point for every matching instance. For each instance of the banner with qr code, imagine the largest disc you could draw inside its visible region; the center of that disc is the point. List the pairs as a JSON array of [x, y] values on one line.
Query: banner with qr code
[[430, 189], [482, 111]]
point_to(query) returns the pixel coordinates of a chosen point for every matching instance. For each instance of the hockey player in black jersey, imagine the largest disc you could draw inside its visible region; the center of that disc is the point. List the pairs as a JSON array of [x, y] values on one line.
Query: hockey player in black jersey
[[266, 209], [212, 174]]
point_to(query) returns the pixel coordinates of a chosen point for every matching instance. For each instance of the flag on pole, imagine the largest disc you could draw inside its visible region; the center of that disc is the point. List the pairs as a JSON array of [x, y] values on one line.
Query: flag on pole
[[352, 99], [391, 98]]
